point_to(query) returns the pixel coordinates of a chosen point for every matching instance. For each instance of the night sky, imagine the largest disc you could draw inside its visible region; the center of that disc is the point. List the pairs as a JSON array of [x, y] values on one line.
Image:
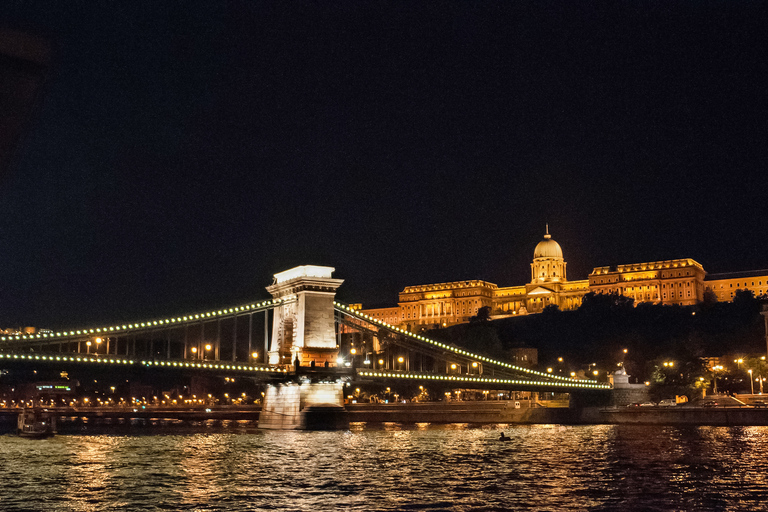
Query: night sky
[[182, 153]]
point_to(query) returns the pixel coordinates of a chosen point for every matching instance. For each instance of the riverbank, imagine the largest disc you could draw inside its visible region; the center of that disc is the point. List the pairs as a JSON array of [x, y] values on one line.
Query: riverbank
[[482, 412]]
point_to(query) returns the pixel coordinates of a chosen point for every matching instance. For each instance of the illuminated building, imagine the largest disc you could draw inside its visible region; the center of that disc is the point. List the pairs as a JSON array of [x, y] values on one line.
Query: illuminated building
[[672, 282], [666, 282]]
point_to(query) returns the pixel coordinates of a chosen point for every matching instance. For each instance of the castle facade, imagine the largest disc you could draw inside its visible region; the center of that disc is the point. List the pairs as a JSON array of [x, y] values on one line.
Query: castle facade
[[681, 281]]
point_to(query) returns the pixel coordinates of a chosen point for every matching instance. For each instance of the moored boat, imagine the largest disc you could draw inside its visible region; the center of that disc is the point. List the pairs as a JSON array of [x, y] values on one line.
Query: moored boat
[[36, 424]]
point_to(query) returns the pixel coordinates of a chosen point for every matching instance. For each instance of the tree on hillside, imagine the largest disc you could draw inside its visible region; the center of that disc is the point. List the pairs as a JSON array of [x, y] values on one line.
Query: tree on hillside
[[745, 303], [605, 302], [483, 315], [552, 309], [709, 300], [678, 374]]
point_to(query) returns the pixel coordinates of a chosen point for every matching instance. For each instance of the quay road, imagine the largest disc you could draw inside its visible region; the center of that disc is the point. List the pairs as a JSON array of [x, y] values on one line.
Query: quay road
[[497, 411], [192, 413]]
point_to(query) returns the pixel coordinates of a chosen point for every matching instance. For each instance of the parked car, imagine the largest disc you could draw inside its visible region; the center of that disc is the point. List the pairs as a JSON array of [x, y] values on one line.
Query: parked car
[[668, 402], [647, 404], [711, 403]]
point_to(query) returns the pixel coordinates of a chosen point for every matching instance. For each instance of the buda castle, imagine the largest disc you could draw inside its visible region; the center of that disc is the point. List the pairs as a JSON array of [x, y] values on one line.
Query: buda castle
[[681, 281]]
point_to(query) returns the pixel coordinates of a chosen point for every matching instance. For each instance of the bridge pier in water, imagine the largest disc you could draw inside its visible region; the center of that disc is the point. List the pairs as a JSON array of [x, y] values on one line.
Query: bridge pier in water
[[304, 406], [304, 335]]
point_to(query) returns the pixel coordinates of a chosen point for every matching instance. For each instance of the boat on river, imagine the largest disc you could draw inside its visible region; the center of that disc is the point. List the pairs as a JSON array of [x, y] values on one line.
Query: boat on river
[[36, 424]]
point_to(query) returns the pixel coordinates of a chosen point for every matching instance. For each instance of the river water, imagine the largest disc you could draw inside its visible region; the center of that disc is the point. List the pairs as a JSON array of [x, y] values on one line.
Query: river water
[[233, 466]]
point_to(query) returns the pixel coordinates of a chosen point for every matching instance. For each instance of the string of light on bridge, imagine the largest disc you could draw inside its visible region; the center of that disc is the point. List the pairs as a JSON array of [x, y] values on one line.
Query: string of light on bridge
[[481, 380], [347, 310], [168, 364], [145, 325]]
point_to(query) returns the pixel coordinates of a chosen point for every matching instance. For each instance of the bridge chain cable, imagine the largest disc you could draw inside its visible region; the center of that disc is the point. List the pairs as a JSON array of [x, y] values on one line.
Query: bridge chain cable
[[459, 352], [13, 340]]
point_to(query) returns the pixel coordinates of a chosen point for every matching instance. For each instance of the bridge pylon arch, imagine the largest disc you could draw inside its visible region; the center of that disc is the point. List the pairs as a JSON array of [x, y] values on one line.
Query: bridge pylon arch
[[304, 323]]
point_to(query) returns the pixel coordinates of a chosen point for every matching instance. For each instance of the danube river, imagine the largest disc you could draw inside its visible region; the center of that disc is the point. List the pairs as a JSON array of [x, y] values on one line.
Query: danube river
[[233, 466]]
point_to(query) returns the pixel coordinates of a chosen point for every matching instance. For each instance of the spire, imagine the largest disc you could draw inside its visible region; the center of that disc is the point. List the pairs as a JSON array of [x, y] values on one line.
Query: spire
[[547, 235]]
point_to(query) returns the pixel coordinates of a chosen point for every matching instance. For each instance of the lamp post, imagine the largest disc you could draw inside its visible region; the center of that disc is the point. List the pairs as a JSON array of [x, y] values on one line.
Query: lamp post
[[194, 352], [208, 348], [714, 373], [88, 347], [751, 382]]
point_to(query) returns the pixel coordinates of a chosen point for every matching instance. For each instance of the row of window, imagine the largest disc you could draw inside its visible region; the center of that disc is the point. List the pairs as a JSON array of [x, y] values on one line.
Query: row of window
[[738, 285], [663, 275]]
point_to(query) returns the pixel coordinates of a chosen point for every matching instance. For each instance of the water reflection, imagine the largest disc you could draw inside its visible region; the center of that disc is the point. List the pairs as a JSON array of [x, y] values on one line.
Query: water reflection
[[231, 466]]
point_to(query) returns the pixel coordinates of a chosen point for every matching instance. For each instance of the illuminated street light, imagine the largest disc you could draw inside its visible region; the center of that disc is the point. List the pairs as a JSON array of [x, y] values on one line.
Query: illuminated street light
[[88, 347], [549, 370], [738, 363], [751, 382], [353, 351], [255, 355], [715, 369]]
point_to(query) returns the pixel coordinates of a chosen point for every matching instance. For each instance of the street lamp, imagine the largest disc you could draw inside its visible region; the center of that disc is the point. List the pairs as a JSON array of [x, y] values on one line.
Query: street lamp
[[98, 342], [208, 348], [194, 352], [738, 363], [751, 382], [714, 374], [88, 347], [255, 356]]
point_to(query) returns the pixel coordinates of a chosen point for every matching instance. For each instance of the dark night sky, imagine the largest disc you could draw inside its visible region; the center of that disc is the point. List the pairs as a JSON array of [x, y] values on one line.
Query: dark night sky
[[183, 153]]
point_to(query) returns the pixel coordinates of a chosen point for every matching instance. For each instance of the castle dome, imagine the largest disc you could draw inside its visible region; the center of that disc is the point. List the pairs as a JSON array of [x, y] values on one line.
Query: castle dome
[[548, 248]]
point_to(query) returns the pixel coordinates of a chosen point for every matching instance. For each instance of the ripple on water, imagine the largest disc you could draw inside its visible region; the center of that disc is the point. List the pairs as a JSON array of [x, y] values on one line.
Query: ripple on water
[[390, 467]]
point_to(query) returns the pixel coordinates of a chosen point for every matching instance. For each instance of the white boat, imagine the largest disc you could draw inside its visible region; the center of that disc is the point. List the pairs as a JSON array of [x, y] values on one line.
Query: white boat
[[36, 424]]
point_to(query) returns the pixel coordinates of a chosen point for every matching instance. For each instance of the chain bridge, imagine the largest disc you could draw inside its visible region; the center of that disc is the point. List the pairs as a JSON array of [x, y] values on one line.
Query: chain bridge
[[307, 346]]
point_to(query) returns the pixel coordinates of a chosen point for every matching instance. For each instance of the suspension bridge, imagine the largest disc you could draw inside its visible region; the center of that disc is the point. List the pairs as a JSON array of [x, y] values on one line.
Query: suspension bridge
[[302, 342]]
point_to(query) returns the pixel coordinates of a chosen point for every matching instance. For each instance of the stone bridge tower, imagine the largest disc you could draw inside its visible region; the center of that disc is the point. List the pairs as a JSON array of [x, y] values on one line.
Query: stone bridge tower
[[304, 326]]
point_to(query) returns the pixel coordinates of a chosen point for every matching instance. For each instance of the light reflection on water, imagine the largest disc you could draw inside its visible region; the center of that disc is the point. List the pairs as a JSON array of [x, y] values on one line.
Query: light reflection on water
[[232, 466]]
